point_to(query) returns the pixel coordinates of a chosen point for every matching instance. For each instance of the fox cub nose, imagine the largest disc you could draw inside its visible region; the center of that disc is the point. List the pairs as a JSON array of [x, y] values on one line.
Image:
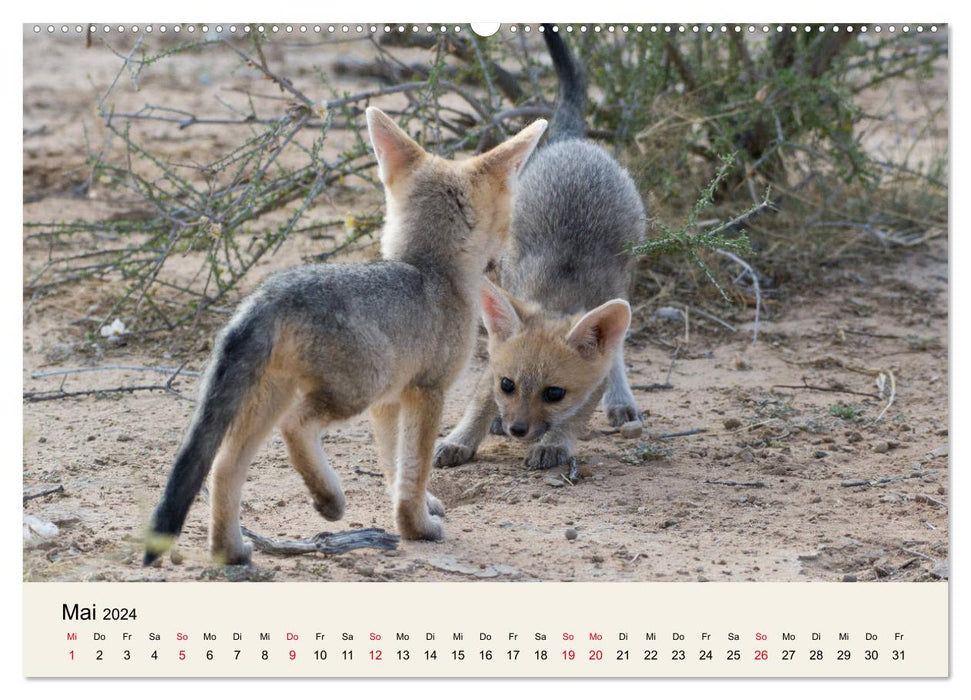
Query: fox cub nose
[[518, 429]]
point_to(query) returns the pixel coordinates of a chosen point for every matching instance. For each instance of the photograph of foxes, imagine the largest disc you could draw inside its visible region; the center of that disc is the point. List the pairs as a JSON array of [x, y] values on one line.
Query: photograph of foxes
[[566, 303]]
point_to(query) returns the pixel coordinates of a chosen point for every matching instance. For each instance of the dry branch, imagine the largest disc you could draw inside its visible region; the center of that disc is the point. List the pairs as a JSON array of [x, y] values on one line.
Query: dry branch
[[326, 542]]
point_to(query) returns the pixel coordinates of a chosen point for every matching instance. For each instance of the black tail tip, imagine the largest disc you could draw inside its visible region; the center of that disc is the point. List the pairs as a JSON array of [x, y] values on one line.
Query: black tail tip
[[150, 558]]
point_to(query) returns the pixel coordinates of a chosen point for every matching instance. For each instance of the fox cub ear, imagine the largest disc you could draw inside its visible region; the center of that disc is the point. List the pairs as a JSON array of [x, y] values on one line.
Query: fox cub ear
[[498, 313], [601, 330], [395, 150], [508, 158]]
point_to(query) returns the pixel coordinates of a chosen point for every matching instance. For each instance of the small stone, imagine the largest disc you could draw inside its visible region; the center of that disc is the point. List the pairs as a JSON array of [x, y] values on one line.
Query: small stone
[[746, 455], [597, 559], [939, 451], [669, 313], [571, 534], [668, 523], [881, 571], [632, 429], [586, 472], [281, 503], [124, 437], [881, 447], [849, 578], [855, 437], [177, 557], [942, 570], [42, 439], [741, 363], [92, 437], [819, 454], [554, 481], [732, 423]]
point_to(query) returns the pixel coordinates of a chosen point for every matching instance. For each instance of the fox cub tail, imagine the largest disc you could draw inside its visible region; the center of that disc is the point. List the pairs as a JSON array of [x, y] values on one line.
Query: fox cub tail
[[571, 103], [241, 354]]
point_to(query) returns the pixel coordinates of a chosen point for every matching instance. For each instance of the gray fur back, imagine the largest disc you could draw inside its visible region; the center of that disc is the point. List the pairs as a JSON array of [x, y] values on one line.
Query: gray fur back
[[575, 212]]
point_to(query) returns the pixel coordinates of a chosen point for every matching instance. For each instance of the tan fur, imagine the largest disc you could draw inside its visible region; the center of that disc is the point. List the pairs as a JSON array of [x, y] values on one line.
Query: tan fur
[[323, 343], [537, 350]]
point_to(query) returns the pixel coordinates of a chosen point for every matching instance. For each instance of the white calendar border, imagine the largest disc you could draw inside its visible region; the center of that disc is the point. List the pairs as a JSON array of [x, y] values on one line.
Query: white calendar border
[[445, 10]]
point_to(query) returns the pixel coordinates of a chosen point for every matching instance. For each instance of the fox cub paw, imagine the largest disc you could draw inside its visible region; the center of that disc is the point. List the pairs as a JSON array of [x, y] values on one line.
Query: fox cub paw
[[434, 505], [452, 454], [232, 555], [331, 506], [619, 414], [547, 456], [420, 524]]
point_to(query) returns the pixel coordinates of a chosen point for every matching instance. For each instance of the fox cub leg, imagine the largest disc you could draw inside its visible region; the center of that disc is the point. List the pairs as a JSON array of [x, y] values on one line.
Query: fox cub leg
[[558, 444], [460, 444], [420, 413], [247, 434], [301, 430], [384, 426], [618, 401]]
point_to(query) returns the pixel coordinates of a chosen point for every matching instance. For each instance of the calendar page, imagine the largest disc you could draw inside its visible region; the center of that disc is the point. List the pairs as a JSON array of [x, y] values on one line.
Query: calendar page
[[568, 350]]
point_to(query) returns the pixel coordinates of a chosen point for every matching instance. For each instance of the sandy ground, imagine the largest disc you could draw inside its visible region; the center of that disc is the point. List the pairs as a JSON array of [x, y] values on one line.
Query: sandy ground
[[763, 491]]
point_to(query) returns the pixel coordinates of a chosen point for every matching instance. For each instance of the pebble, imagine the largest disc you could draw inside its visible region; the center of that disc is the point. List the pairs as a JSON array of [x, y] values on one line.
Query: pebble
[[632, 429], [881, 447], [819, 454], [177, 557], [554, 480], [849, 578], [939, 451], [669, 313], [855, 437], [571, 534], [124, 437], [746, 455], [732, 423]]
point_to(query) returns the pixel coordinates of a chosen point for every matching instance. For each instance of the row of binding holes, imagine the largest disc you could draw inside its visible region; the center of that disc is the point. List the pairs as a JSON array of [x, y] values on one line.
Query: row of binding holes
[[388, 28]]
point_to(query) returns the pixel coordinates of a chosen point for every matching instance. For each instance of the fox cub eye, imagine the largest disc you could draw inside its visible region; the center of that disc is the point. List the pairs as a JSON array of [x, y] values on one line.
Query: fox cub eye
[[507, 385], [552, 394]]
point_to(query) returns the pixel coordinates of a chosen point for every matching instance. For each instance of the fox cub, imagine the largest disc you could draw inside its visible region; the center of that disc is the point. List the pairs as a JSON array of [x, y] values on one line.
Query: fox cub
[[556, 340], [322, 343]]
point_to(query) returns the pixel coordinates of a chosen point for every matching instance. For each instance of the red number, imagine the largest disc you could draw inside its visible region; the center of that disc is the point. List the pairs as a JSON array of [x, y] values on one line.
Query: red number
[[596, 655], [375, 655], [569, 654], [293, 655], [761, 655], [181, 654]]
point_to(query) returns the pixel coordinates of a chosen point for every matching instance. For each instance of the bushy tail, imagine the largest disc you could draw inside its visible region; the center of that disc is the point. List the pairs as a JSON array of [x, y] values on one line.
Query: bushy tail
[[241, 354], [571, 104]]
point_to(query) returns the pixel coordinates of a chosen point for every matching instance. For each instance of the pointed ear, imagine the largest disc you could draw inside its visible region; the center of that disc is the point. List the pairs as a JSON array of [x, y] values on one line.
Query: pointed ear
[[601, 330], [395, 150], [506, 160], [498, 313]]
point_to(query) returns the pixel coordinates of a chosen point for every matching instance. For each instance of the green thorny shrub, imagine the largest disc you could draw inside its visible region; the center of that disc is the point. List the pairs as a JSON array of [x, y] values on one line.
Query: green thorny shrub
[[778, 122]]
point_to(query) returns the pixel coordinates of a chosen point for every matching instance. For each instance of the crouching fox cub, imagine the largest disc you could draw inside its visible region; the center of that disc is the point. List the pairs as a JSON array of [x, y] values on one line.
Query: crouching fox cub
[[322, 343], [556, 341]]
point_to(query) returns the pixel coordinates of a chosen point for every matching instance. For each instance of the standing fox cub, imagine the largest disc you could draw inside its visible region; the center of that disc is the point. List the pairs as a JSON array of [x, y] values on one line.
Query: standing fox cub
[[557, 352], [322, 343]]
